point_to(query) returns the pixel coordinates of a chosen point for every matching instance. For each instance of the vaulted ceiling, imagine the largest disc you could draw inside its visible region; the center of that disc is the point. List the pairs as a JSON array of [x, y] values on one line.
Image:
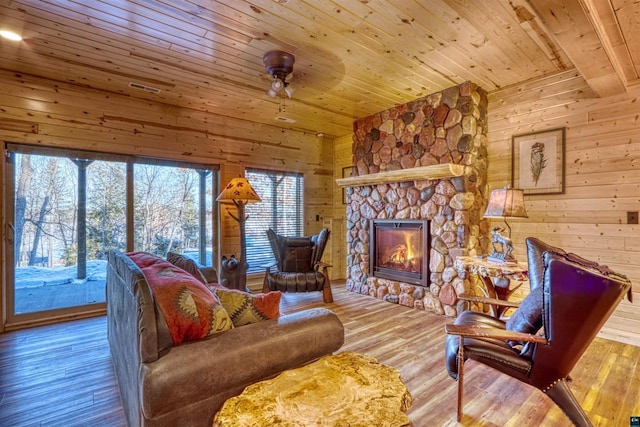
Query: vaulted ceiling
[[352, 57]]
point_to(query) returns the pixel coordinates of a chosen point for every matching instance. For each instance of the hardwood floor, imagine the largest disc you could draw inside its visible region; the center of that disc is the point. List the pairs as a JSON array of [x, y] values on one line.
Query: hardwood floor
[[61, 375]]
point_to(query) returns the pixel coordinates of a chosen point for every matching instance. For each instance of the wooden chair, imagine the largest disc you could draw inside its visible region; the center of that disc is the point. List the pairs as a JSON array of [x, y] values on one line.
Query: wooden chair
[[298, 265], [571, 299]]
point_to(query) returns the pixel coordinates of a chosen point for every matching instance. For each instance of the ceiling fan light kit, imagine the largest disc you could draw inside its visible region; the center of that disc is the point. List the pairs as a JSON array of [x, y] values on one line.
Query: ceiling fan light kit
[[279, 64]]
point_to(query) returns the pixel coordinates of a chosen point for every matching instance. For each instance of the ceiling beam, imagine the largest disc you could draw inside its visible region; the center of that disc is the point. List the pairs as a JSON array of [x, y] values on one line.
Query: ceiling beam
[[576, 27]]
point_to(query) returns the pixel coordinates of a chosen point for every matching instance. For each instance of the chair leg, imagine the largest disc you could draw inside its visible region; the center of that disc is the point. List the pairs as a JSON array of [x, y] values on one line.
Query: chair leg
[[460, 376], [561, 394], [327, 295]]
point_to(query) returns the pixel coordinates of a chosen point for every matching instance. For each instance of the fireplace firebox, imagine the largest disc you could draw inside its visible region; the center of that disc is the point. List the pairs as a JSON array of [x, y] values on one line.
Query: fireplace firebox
[[399, 250]]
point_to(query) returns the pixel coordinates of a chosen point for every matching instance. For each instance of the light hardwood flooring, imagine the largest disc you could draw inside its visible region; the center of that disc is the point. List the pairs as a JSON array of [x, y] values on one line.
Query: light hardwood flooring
[[61, 375]]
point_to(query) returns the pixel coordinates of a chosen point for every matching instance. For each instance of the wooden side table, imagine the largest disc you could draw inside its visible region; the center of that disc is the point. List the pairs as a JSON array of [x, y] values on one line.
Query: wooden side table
[[496, 277]]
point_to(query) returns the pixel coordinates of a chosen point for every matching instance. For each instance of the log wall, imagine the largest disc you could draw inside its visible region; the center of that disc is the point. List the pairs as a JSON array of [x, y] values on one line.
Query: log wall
[[602, 183], [48, 113]]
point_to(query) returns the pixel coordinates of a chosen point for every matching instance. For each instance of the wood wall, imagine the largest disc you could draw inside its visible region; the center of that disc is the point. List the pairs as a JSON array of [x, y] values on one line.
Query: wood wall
[[602, 158], [49, 113], [343, 157], [602, 181]]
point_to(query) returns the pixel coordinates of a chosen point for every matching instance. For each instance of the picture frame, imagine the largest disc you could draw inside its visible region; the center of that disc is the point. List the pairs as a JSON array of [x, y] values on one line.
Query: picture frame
[[537, 162], [346, 171]]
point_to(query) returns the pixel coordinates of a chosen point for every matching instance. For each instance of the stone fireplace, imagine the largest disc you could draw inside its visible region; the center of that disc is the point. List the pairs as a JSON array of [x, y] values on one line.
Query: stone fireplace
[[399, 250], [444, 128]]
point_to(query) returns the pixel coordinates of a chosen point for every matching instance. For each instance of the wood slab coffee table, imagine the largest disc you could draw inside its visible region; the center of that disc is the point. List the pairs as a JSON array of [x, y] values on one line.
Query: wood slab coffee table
[[346, 389]]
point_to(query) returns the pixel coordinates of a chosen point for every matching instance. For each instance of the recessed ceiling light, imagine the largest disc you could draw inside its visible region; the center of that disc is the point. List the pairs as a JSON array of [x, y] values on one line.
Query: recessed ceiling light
[[10, 35]]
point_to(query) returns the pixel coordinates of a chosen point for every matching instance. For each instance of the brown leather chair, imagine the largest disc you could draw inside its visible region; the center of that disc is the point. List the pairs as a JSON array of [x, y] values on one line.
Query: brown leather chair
[[298, 265], [571, 298]]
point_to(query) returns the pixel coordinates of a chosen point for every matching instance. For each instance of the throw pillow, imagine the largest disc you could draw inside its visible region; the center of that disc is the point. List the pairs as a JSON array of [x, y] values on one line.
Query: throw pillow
[[245, 308], [190, 309], [187, 265], [297, 259], [528, 317]]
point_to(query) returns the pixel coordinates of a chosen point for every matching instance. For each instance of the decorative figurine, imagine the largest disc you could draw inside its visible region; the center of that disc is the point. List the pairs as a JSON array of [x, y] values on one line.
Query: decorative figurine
[[501, 247]]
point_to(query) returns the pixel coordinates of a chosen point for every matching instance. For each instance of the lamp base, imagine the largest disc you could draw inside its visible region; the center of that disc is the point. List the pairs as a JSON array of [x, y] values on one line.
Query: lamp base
[[501, 247], [233, 273], [502, 258]]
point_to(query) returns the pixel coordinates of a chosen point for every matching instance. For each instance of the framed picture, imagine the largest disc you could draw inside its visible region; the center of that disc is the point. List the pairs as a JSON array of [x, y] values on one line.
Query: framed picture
[[345, 173], [538, 162]]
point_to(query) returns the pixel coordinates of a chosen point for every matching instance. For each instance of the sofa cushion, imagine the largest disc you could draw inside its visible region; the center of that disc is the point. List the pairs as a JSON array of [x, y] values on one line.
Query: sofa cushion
[[297, 259], [245, 308], [190, 309], [187, 265]]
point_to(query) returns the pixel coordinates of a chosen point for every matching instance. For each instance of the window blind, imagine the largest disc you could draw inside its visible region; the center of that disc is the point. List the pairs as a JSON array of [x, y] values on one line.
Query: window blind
[[281, 209]]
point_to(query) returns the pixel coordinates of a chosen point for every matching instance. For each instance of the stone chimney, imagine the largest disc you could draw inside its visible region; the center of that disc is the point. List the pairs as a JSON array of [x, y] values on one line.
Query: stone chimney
[[444, 127]]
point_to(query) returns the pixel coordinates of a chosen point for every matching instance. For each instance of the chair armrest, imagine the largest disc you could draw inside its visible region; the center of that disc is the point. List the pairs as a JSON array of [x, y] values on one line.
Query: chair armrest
[[484, 300], [489, 332], [323, 264], [272, 264]]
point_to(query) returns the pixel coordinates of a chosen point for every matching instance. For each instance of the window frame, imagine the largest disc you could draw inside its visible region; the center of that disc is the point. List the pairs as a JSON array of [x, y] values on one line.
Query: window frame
[[16, 321]]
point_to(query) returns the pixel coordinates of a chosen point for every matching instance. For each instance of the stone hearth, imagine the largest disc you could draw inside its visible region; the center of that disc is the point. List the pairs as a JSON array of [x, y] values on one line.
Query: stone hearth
[[444, 127]]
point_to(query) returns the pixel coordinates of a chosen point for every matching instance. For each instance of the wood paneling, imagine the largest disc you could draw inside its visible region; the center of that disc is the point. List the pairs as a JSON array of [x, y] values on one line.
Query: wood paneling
[[353, 58], [602, 181], [342, 149], [42, 112], [62, 374]]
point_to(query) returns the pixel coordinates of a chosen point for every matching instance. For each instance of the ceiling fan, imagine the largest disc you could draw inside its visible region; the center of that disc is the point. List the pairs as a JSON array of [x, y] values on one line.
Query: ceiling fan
[[279, 65]]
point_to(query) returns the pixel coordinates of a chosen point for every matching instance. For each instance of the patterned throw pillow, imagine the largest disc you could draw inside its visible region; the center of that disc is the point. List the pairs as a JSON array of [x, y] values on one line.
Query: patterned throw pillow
[[245, 308], [190, 309]]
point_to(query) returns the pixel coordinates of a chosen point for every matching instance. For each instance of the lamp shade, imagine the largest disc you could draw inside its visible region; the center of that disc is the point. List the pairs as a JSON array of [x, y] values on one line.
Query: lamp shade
[[238, 191], [506, 202]]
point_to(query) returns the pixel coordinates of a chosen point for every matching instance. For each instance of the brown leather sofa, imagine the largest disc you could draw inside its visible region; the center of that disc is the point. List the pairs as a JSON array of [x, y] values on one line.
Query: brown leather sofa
[[186, 385]]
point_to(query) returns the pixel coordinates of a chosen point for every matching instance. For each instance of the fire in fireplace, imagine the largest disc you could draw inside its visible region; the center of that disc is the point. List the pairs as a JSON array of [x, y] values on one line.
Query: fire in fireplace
[[399, 250]]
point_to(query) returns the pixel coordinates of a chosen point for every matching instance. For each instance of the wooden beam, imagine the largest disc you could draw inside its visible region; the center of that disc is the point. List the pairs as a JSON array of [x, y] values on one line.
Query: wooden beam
[[445, 170], [578, 30]]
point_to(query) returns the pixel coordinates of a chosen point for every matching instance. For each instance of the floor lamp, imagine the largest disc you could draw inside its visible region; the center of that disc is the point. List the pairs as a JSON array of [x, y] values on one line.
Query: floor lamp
[[233, 272], [504, 203]]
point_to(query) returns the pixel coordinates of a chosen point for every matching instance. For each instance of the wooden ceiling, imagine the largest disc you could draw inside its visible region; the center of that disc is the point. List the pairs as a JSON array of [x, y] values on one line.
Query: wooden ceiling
[[352, 57]]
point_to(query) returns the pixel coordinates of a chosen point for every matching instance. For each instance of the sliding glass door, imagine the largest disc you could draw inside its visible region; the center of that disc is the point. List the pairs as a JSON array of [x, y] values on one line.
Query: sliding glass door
[[67, 209]]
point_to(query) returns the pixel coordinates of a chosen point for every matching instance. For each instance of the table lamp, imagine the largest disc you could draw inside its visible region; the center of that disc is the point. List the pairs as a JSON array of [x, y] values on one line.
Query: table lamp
[[504, 203], [239, 192]]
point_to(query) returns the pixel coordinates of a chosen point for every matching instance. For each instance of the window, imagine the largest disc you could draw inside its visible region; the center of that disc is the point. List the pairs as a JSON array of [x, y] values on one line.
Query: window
[[68, 208], [281, 209]]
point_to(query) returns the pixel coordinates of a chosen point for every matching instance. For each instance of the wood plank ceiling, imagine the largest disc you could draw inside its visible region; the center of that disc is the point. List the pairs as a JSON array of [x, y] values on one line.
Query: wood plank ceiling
[[352, 57]]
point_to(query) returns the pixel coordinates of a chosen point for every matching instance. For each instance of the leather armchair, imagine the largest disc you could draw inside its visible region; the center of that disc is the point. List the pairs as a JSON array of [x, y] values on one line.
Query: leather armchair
[[298, 265], [571, 298]]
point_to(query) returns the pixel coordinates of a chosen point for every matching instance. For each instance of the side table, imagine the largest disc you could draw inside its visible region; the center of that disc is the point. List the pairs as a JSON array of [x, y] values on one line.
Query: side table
[[496, 277], [345, 389]]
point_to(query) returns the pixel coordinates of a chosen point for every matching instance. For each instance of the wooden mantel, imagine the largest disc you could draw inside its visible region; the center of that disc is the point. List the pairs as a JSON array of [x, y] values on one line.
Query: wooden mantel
[[444, 170]]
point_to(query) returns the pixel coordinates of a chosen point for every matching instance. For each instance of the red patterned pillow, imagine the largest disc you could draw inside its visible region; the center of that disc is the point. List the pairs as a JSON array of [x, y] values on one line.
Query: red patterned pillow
[[245, 308], [190, 309]]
